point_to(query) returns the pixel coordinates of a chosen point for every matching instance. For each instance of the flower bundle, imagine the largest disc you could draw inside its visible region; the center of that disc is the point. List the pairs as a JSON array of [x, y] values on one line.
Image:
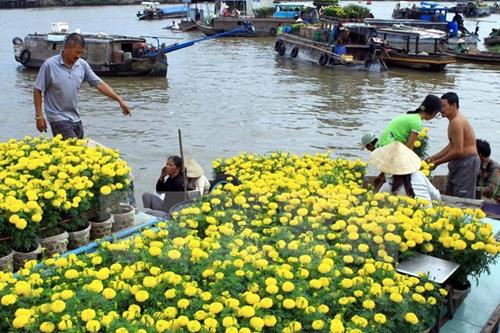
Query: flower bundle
[[43, 181], [288, 250], [420, 145]]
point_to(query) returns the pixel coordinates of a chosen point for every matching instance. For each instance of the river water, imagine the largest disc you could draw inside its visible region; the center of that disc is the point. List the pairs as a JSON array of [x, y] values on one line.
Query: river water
[[234, 94]]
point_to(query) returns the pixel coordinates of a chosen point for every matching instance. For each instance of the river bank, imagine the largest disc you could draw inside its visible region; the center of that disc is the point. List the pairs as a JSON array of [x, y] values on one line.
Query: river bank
[[6, 4]]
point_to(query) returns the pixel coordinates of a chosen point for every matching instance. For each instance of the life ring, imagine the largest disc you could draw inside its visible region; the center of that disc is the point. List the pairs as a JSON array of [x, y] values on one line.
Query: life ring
[[282, 50], [294, 52], [278, 44], [25, 57], [323, 60], [17, 41], [273, 31]]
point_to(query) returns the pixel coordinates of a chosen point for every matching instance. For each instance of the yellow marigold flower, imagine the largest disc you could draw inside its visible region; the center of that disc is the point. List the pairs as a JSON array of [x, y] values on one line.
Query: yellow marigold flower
[[8, 299], [174, 254], [411, 318], [71, 274], [246, 311], [380, 318], [20, 321], [369, 304], [318, 325], [141, 296], [396, 297], [58, 306], [257, 323], [215, 307], [105, 190], [109, 293], [194, 326], [93, 326], [229, 321], [287, 286], [288, 303], [64, 325], [154, 251], [87, 314], [22, 288], [47, 327]]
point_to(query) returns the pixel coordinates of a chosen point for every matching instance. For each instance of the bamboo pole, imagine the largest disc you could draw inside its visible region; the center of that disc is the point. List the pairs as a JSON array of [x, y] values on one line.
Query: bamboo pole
[[183, 168]]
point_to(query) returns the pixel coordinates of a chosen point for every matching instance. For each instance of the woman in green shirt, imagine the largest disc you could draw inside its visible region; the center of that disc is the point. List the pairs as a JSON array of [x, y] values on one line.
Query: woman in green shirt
[[405, 128]]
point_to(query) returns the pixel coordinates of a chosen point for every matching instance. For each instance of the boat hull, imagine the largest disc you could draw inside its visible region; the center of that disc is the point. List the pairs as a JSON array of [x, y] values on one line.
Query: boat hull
[[482, 57], [432, 62]]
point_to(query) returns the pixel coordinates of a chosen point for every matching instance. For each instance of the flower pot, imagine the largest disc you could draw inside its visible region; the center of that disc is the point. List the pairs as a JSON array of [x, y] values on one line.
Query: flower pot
[[101, 229], [124, 218], [7, 262], [78, 238], [459, 295], [55, 244], [21, 257]]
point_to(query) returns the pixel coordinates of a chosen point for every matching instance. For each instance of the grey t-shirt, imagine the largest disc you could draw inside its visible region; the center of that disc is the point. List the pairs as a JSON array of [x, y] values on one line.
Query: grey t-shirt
[[60, 86]]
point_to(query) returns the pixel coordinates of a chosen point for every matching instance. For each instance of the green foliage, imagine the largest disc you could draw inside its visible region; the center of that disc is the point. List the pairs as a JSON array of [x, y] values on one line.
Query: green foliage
[[264, 12], [325, 3], [356, 11], [334, 11]]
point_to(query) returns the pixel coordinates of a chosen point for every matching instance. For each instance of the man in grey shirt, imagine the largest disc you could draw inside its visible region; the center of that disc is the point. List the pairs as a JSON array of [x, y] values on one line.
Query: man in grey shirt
[[59, 80]]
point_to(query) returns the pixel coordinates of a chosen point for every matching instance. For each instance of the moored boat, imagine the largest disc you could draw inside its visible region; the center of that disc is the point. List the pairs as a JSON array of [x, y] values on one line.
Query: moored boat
[[239, 12], [357, 57], [152, 11], [410, 54], [106, 54], [477, 56]]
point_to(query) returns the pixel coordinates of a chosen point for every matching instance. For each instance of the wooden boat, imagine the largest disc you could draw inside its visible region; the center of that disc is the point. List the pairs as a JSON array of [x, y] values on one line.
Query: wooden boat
[[480, 57], [410, 57], [431, 62], [263, 27], [106, 54], [357, 57], [490, 41], [152, 11]]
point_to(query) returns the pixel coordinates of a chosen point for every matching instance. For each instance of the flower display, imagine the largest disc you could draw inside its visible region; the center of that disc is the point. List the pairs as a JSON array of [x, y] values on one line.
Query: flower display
[[299, 245], [44, 181]]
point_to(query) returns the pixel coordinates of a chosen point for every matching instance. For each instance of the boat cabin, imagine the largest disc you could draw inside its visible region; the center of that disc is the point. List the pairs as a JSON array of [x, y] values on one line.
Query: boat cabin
[[425, 11], [412, 40]]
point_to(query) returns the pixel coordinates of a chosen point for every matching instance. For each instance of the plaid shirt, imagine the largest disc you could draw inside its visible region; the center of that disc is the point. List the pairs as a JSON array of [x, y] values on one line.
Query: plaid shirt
[[489, 180]]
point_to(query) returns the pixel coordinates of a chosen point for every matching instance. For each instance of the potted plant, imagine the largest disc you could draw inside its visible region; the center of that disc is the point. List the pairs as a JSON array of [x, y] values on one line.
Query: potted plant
[[78, 229], [6, 255], [53, 237]]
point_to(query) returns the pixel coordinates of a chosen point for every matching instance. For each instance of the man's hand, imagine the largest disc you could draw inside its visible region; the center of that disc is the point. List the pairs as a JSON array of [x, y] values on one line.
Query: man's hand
[[125, 109], [41, 125]]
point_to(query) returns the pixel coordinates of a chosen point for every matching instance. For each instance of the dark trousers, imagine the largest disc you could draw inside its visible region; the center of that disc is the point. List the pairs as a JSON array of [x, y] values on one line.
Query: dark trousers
[[67, 129]]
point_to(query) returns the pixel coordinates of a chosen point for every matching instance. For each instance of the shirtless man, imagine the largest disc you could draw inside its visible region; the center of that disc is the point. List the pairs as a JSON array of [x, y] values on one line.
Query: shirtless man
[[460, 153]]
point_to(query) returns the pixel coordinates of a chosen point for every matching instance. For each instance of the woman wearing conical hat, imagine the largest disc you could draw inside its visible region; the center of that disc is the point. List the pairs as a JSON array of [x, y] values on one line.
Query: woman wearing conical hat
[[195, 176], [401, 166]]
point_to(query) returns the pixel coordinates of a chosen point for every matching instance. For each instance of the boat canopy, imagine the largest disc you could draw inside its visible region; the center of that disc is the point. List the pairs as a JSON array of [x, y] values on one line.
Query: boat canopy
[[402, 30]]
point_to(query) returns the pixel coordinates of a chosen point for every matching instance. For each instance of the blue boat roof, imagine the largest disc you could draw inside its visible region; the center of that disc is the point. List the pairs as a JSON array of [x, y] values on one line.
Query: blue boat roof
[[432, 5], [176, 9]]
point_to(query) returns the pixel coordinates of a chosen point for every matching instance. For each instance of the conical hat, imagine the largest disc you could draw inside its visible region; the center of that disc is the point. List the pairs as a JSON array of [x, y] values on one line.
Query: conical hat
[[395, 159], [193, 169]]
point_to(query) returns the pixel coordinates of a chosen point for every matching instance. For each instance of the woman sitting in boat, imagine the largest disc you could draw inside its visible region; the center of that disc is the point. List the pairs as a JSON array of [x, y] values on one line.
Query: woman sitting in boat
[[405, 128], [196, 177], [171, 180], [401, 167]]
